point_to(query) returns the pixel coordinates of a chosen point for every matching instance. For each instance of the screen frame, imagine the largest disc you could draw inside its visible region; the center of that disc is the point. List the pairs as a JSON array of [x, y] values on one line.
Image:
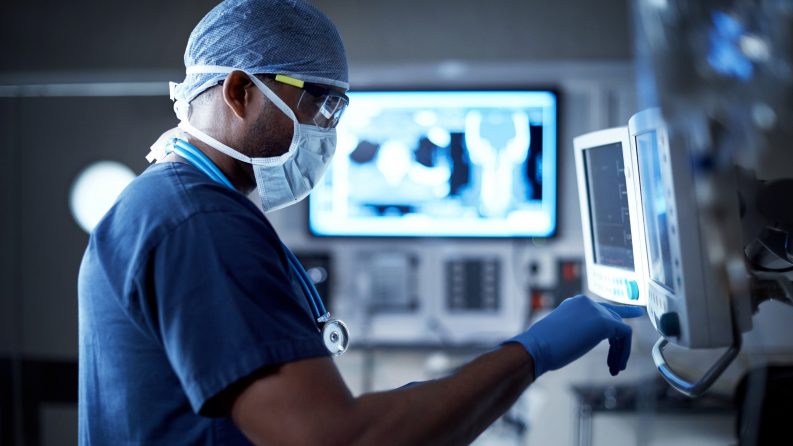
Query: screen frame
[[704, 315], [674, 280], [604, 280], [554, 215]]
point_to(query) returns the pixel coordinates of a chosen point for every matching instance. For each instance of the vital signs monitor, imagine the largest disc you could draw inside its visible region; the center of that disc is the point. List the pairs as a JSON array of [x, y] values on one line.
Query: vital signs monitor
[[611, 230]]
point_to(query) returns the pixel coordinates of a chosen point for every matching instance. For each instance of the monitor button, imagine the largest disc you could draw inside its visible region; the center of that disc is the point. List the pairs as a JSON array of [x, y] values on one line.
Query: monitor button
[[632, 289]]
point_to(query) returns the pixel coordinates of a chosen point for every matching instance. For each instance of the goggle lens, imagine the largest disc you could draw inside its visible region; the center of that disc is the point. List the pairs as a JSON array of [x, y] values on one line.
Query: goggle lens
[[324, 111], [322, 106]]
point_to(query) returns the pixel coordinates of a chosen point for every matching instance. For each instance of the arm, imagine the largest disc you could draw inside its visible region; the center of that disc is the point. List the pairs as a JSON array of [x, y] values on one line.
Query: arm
[[307, 402]]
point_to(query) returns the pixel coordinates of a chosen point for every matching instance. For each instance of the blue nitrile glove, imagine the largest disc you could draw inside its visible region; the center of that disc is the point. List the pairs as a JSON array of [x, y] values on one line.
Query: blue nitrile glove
[[574, 328]]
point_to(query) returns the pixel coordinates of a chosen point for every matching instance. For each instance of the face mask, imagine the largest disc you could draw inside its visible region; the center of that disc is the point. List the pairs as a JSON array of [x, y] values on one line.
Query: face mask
[[280, 180]]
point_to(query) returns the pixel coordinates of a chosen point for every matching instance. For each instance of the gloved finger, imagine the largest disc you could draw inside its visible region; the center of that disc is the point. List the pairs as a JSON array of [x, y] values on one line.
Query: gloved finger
[[625, 350], [620, 347], [622, 342], [620, 357], [612, 359], [625, 311], [617, 353]]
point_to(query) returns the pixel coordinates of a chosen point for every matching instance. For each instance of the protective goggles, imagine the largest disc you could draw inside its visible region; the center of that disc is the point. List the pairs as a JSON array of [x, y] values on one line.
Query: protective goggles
[[323, 104]]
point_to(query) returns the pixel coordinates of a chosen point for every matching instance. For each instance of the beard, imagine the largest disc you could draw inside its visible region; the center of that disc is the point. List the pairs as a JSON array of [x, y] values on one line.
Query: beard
[[271, 134]]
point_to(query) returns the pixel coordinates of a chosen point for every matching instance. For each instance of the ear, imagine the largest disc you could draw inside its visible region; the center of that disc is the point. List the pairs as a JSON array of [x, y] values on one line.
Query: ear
[[237, 93]]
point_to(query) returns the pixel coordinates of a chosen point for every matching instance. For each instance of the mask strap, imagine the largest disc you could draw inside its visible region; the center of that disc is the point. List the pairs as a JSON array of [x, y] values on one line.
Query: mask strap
[[182, 112], [204, 69], [217, 145], [273, 97]]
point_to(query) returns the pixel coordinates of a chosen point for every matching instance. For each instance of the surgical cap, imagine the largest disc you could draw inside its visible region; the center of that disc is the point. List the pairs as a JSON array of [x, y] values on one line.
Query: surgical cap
[[288, 37]]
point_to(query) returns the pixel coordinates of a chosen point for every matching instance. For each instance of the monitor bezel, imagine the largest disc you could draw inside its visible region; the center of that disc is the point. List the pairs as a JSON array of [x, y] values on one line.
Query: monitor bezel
[[603, 280], [695, 296], [554, 215]]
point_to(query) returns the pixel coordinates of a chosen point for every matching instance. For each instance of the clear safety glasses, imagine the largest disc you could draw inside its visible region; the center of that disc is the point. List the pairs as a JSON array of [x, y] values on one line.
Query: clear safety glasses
[[325, 105]]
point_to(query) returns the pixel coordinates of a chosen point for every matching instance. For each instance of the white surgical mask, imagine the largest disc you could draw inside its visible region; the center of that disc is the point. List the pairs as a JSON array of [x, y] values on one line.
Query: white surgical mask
[[280, 180]]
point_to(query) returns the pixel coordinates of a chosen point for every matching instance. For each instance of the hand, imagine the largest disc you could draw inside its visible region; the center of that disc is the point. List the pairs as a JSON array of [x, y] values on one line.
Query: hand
[[574, 328]]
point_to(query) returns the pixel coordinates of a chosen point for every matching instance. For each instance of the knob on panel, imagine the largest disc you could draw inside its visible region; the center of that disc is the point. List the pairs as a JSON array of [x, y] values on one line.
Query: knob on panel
[[669, 324], [632, 289]]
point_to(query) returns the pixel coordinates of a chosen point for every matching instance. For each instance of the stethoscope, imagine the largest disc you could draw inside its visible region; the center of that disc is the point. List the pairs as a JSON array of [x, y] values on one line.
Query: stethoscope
[[335, 334]]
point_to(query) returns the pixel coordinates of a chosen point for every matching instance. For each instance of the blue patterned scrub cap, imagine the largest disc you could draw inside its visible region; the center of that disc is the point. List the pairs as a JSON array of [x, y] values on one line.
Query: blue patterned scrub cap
[[290, 37]]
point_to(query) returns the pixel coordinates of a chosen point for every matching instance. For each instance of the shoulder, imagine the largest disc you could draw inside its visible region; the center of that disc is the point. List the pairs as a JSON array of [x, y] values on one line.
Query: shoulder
[[170, 197], [177, 191], [170, 193]]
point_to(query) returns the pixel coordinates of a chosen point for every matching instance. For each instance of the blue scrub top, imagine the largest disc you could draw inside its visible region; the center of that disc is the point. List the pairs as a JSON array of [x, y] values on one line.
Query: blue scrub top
[[184, 290]]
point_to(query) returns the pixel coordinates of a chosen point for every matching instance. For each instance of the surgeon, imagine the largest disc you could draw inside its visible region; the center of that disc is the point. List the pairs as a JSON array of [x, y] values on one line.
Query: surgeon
[[195, 324]]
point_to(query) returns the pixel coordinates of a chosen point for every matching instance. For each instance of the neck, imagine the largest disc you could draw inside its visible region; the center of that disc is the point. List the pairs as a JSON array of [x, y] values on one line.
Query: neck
[[240, 174]]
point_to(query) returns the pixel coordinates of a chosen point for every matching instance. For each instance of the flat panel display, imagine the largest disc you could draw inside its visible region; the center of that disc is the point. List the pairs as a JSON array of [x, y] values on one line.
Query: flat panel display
[[659, 254], [608, 206], [441, 164], [607, 194]]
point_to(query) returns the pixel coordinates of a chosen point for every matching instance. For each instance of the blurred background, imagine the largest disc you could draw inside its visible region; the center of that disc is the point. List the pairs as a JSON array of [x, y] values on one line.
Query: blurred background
[[84, 93]]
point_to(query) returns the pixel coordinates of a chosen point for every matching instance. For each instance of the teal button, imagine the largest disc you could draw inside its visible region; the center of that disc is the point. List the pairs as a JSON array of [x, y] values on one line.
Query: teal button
[[632, 289]]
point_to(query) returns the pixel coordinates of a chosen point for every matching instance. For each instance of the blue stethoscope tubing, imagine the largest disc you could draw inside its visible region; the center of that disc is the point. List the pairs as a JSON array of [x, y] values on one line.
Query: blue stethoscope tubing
[[308, 287], [199, 161], [334, 332]]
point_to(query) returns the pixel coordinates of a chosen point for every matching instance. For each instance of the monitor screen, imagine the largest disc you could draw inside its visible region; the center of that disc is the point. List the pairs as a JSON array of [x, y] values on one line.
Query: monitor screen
[[609, 214], [441, 163], [659, 254]]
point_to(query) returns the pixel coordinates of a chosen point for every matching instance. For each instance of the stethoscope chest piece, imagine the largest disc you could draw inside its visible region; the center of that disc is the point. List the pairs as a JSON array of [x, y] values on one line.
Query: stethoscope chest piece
[[336, 336], [334, 333]]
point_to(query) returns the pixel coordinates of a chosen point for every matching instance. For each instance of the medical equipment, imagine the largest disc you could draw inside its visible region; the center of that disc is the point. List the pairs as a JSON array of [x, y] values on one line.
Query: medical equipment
[[441, 163], [687, 299], [612, 233], [393, 277], [439, 295], [473, 284], [713, 163], [684, 301], [482, 300], [320, 267], [335, 334]]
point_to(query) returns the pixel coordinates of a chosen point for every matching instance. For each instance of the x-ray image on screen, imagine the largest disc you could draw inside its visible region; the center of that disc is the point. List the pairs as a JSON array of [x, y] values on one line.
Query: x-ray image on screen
[[608, 206], [441, 163]]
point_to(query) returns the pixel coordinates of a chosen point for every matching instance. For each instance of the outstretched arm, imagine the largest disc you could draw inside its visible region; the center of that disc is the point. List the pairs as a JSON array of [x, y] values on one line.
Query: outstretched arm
[[307, 402]]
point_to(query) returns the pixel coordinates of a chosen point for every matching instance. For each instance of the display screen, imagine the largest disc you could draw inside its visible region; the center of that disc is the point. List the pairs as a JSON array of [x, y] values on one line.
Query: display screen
[[609, 214], [441, 163], [655, 210]]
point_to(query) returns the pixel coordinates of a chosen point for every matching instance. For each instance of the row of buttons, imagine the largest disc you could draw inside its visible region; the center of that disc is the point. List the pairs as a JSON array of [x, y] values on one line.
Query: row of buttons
[[619, 287], [668, 323]]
